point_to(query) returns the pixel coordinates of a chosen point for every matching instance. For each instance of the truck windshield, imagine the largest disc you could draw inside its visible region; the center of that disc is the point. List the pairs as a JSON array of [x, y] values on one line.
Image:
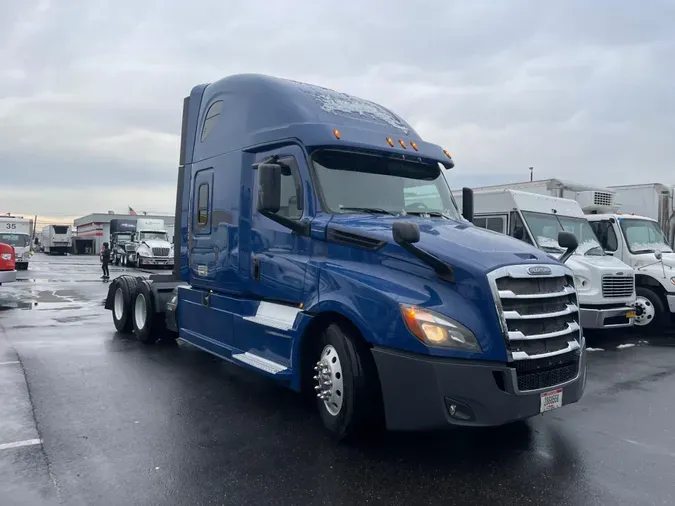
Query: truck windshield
[[644, 236], [152, 236], [16, 240], [353, 182], [545, 228]]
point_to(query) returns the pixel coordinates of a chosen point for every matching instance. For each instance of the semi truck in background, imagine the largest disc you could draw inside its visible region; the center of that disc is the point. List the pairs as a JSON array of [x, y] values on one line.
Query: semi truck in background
[[122, 247], [318, 244], [605, 285], [150, 245], [56, 239], [17, 231]]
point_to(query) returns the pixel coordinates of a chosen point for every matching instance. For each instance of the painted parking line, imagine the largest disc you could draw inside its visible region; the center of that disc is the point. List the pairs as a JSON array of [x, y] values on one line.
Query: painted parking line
[[19, 444], [9, 363]]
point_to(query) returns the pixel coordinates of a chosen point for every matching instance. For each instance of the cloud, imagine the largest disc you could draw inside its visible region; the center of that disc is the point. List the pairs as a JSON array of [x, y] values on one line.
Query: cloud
[[90, 92]]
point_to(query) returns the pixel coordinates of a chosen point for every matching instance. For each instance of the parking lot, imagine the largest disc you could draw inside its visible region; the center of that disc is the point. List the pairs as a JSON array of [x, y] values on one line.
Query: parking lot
[[89, 417]]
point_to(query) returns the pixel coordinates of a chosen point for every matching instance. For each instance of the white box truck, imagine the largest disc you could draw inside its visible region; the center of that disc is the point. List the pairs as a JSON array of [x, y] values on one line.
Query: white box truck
[[56, 239], [152, 244], [16, 231], [641, 243], [653, 200], [605, 285]]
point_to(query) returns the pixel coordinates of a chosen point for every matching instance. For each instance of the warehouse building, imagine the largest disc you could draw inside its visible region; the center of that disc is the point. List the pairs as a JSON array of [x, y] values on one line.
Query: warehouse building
[[91, 231]]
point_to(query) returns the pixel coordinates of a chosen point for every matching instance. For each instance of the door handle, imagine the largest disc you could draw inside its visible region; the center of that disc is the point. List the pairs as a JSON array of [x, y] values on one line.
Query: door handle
[[256, 268]]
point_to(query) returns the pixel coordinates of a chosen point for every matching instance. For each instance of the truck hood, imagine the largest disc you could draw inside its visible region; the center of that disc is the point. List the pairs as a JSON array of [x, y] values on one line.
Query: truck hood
[[589, 272], [457, 243], [155, 244]]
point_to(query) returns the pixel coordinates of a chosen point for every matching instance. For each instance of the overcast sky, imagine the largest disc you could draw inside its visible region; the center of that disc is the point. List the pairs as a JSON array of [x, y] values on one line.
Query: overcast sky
[[91, 90]]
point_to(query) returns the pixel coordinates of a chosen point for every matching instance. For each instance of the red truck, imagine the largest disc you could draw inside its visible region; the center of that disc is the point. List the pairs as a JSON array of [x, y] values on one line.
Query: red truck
[[7, 263]]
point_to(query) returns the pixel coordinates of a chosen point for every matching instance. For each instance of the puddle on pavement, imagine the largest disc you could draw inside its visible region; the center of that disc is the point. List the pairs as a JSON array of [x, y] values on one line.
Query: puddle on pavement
[[14, 304]]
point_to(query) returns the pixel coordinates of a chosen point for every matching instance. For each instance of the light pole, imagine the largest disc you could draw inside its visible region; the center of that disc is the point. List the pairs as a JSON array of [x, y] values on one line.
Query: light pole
[[531, 173]]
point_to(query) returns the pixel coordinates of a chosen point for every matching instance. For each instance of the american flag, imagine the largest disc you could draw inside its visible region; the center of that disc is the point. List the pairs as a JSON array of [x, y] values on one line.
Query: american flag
[[131, 211]]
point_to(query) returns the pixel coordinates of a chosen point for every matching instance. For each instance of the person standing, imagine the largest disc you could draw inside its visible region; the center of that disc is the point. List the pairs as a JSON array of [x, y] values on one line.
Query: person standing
[[105, 259]]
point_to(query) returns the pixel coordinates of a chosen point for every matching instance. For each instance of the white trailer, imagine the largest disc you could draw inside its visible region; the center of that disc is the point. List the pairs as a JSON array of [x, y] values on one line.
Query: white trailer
[[653, 200], [152, 244], [56, 239], [605, 285], [16, 231]]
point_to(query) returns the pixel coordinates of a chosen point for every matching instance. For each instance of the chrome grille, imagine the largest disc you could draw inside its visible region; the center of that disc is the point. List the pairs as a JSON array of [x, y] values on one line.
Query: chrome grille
[[539, 313], [160, 252], [617, 286], [130, 247]]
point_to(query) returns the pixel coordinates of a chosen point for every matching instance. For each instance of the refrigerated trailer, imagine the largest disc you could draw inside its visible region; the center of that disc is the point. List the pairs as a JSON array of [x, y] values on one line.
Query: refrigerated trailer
[[56, 239]]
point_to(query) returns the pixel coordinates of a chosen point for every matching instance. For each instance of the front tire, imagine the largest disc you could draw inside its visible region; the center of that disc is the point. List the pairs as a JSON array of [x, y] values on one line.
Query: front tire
[[345, 383], [653, 317]]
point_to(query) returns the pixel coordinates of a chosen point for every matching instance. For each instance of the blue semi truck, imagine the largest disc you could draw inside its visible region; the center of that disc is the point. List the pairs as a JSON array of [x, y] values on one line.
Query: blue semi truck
[[317, 243]]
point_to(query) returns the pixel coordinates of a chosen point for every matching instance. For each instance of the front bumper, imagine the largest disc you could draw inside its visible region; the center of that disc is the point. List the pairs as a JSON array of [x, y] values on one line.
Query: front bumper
[[419, 392], [155, 261], [606, 318], [671, 303], [7, 276]]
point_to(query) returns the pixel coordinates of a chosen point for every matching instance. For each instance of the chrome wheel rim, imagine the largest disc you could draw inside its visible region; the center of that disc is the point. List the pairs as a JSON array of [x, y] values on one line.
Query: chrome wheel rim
[[140, 311], [329, 380], [119, 304], [647, 312]]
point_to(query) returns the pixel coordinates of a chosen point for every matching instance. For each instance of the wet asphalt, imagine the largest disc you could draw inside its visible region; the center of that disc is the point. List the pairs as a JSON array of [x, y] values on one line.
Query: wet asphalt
[[88, 417]]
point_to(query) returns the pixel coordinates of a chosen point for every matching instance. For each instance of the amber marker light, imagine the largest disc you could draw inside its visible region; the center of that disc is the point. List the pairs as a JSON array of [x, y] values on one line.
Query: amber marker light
[[402, 144], [336, 133], [390, 141], [447, 153], [414, 146]]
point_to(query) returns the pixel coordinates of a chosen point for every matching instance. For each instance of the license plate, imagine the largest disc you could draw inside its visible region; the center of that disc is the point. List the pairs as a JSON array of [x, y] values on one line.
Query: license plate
[[551, 400], [631, 314]]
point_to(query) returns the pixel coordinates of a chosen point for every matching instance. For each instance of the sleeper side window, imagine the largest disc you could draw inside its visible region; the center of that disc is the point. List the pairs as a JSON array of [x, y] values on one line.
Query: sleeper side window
[[203, 205], [212, 116]]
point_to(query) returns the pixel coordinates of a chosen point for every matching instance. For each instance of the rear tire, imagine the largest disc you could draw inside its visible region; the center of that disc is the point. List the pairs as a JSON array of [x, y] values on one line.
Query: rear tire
[[349, 405], [653, 318], [124, 291], [149, 326]]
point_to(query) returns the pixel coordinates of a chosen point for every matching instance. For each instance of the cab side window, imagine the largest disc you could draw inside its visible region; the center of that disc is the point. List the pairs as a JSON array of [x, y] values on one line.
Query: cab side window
[[518, 229], [291, 189], [604, 230]]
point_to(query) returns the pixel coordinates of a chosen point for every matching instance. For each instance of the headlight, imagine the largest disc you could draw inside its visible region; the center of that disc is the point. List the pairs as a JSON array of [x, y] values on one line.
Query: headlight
[[581, 283], [434, 329], [672, 281]]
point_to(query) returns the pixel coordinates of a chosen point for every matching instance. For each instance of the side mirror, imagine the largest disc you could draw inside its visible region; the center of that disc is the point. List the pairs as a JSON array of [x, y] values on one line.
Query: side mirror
[[568, 241], [405, 232], [269, 195], [467, 204], [658, 255]]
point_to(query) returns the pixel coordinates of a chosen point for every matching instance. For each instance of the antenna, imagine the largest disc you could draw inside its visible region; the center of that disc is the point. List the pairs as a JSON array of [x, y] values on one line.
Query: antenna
[[531, 173]]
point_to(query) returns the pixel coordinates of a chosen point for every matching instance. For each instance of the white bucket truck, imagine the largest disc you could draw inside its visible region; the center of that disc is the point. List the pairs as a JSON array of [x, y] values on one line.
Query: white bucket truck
[[641, 243], [16, 231], [605, 284], [153, 247]]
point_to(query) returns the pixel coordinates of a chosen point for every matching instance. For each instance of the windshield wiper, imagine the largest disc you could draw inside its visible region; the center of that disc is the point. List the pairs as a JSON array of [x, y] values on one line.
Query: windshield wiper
[[552, 249], [638, 251], [369, 210], [436, 214]]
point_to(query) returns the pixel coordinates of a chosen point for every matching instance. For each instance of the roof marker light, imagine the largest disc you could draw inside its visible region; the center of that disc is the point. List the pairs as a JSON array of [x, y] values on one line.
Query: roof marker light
[[336, 133], [390, 141], [402, 144], [447, 153], [414, 146]]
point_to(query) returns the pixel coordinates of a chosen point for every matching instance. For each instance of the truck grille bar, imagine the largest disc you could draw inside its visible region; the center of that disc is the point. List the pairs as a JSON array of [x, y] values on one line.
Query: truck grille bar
[[538, 311], [617, 286], [160, 252]]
